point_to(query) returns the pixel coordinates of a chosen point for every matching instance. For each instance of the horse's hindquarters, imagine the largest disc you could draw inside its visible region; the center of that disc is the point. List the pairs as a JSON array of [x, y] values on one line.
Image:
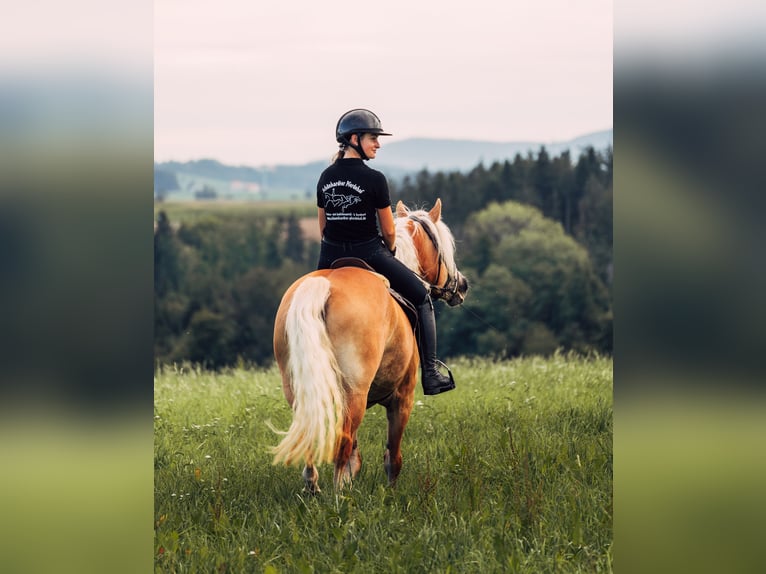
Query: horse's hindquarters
[[371, 335], [338, 333]]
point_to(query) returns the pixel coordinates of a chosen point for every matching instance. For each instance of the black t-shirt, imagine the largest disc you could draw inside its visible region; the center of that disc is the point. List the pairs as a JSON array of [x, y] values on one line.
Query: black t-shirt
[[351, 193]]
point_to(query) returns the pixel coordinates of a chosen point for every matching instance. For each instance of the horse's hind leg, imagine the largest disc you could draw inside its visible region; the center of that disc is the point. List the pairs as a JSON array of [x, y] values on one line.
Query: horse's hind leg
[[355, 462], [392, 459], [311, 476], [398, 412], [348, 461], [342, 475]]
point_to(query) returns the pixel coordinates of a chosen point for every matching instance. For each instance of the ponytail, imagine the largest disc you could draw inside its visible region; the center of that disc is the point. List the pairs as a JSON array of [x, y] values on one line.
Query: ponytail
[[339, 154]]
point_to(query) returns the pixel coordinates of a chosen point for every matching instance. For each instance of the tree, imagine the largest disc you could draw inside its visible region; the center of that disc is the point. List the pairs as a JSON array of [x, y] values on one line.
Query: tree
[[166, 257], [207, 192], [294, 245], [565, 205], [594, 228], [208, 340], [273, 250], [164, 183], [496, 324], [257, 295], [565, 294]]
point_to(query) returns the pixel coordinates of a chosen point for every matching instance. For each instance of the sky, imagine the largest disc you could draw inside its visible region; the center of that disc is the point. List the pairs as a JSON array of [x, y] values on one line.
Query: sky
[[263, 83]]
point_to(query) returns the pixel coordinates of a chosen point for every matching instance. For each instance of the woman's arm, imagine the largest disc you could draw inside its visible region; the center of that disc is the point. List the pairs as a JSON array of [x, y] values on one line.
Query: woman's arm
[[387, 227]]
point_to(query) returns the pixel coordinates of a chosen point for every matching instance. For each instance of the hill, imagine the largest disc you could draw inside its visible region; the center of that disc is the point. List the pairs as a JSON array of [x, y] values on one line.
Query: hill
[[208, 178], [461, 155]]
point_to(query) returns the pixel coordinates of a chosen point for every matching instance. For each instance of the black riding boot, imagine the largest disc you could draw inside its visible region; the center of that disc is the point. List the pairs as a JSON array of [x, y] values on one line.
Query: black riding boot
[[433, 381]]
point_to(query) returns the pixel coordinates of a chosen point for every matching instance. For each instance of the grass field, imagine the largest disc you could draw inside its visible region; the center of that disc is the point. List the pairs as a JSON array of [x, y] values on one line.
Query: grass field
[[511, 472], [193, 211]]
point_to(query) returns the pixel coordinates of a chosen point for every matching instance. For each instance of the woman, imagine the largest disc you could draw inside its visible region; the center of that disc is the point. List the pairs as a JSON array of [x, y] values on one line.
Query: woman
[[352, 199]]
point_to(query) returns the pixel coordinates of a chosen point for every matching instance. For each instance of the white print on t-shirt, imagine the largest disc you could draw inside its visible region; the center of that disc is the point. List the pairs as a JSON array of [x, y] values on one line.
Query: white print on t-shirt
[[340, 183], [340, 200]]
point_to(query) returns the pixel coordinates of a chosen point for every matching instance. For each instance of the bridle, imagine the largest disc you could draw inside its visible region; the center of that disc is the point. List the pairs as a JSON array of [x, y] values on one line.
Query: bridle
[[449, 290]]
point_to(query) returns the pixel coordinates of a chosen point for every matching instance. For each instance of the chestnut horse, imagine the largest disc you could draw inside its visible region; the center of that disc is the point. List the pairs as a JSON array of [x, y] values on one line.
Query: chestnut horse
[[344, 344]]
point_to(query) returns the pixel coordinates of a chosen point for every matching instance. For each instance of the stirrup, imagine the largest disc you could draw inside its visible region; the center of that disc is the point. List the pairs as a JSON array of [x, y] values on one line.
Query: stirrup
[[451, 378], [444, 387]]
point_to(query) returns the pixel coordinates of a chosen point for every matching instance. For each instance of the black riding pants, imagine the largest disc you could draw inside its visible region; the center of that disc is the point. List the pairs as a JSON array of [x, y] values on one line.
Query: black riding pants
[[377, 255]]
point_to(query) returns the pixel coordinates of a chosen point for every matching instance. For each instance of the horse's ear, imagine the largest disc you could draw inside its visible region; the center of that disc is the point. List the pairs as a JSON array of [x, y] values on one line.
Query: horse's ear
[[401, 209], [436, 211]]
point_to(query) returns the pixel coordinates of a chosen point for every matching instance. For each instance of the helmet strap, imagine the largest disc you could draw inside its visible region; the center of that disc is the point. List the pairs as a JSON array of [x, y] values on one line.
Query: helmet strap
[[358, 146]]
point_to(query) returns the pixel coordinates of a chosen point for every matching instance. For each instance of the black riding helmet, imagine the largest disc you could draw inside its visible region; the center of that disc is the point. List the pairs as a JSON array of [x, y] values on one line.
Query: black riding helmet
[[358, 121]]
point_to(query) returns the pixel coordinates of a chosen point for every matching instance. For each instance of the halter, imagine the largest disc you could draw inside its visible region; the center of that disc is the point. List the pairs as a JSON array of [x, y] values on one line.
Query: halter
[[451, 286]]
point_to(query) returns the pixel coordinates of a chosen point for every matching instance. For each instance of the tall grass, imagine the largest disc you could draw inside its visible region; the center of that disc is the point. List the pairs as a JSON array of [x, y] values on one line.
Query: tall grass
[[510, 472]]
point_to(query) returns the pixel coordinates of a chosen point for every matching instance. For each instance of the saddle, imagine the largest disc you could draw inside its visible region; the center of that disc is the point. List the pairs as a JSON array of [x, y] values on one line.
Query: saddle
[[407, 307]]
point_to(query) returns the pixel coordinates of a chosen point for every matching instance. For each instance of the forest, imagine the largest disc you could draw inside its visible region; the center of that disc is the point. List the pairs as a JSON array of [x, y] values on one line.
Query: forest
[[533, 236]]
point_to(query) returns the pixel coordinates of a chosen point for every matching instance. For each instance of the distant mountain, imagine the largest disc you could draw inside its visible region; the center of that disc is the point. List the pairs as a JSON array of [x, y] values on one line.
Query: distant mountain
[[462, 155], [395, 159]]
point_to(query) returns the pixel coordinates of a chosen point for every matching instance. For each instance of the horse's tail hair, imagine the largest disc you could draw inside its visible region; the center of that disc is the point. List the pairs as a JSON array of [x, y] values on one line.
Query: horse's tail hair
[[314, 375]]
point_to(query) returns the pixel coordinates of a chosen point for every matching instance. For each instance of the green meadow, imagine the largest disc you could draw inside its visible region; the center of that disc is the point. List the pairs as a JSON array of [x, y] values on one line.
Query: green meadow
[[511, 472], [195, 211]]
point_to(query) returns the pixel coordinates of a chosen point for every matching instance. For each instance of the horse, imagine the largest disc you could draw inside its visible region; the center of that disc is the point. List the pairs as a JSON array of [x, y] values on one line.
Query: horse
[[344, 344]]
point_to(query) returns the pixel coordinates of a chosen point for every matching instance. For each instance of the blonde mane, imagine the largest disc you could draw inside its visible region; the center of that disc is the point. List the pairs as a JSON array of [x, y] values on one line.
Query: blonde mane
[[405, 246]]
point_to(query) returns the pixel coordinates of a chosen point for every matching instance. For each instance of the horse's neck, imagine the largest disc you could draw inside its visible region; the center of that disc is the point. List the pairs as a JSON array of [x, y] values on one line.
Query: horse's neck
[[405, 249]]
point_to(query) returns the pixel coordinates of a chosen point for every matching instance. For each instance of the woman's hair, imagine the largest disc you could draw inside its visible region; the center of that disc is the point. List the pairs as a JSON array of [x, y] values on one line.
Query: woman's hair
[[339, 154], [343, 146]]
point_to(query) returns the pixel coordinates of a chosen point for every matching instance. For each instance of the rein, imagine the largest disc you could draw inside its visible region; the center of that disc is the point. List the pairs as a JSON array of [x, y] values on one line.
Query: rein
[[451, 286]]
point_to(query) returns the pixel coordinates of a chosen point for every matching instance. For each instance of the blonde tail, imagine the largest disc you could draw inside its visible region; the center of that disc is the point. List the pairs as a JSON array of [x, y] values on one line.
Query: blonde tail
[[314, 377]]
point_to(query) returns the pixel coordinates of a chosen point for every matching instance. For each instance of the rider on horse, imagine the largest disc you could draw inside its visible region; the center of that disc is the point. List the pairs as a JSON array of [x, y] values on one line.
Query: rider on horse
[[353, 200]]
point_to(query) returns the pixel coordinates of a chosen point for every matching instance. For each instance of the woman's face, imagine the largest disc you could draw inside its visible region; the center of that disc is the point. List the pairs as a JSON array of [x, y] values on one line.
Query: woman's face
[[370, 145]]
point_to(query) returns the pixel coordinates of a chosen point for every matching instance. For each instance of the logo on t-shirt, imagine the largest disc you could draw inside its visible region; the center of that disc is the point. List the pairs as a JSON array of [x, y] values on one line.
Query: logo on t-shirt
[[340, 200], [335, 199]]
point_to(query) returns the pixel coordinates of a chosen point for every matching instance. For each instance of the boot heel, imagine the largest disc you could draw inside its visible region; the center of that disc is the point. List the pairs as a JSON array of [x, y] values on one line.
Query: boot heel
[[449, 372]]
